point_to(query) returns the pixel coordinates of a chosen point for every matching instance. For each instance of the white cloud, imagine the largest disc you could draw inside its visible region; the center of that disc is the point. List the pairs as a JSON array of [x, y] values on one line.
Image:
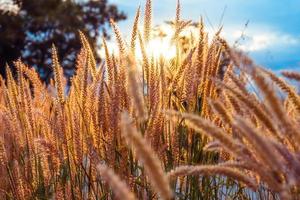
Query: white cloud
[[260, 38], [263, 41]]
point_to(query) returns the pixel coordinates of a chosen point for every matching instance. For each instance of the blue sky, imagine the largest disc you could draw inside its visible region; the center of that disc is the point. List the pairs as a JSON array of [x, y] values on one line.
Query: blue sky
[[272, 35]]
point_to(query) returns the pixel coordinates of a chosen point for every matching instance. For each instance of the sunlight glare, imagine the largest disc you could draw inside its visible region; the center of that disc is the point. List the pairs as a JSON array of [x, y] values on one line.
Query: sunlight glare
[[161, 47]]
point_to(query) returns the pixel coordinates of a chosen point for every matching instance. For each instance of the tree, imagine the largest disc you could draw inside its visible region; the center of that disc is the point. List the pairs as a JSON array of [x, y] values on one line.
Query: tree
[[30, 33]]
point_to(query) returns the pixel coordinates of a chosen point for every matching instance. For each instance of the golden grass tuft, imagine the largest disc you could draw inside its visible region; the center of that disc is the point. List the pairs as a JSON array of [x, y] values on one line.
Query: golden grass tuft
[[185, 127]]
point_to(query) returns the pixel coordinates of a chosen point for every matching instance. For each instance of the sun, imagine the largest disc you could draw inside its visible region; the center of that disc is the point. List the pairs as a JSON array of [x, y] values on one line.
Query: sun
[[161, 47], [160, 44]]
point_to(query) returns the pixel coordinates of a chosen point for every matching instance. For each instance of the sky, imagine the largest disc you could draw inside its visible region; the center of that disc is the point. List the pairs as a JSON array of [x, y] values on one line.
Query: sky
[[272, 36]]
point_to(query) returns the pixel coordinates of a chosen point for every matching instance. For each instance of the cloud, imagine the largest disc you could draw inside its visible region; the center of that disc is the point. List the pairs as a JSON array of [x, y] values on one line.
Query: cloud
[[263, 41], [261, 38]]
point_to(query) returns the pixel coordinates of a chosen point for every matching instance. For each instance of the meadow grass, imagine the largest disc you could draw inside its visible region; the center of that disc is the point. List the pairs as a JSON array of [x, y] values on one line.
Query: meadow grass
[[187, 127]]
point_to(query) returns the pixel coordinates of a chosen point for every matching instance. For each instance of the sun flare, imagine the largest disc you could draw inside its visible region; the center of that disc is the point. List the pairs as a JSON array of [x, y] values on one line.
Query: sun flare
[[158, 47], [160, 43]]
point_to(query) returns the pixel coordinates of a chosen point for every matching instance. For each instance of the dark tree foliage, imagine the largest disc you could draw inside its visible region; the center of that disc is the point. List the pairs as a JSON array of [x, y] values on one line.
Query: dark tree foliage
[[30, 34]]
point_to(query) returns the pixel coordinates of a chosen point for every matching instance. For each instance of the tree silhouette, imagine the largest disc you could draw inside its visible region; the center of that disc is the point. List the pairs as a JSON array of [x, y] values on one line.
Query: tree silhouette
[[30, 33]]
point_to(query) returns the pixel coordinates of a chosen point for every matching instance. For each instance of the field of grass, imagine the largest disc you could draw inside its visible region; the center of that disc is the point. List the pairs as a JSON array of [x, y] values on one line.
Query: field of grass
[[206, 123]]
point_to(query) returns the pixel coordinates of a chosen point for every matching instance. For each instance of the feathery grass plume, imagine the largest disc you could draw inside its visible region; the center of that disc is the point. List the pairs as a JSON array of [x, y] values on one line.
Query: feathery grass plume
[[119, 37], [207, 75], [147, 21], [222, 111], [201, 29], [3, 156], [49, 150], [276, 108], [146, 64], [201, 52], [21, 109], [25, 95], [155, 128], [178, 10], [84, 81], [291, 75], [102, 109], [253, 105], [134, 31], [145, 154], [203, 55], [80, 67], [180, 71], [10, 111], [263, 149], [216, 73], [90, 54], [12, 92], [178, 24], [113, 110], [181, 26], [229, 69], [29, 108], [213, 60], [136, 92], [21, 84], [57, 75], [108, 61], [240, 85], [121, 81], [153, 85], [235, 164], [213, 146], [205, 126], [190, 86], [163, 79], [212, 170], [35, 80], [269, 168], [119, 187], [19, 181], [293, 96]]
